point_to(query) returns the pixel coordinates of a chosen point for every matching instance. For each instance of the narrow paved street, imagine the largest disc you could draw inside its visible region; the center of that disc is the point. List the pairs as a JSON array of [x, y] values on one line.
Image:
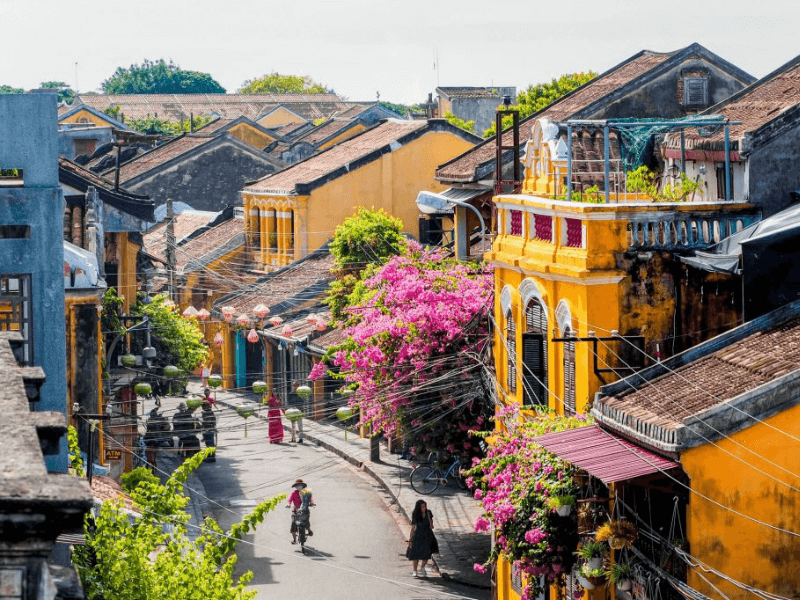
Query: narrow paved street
[[358, 543]]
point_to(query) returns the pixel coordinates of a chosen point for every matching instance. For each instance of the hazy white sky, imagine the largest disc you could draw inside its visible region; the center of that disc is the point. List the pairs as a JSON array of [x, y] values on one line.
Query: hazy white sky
[[361, 47]]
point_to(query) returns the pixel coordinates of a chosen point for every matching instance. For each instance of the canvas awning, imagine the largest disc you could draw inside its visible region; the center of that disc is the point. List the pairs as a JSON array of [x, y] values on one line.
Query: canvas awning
[[603, 455]]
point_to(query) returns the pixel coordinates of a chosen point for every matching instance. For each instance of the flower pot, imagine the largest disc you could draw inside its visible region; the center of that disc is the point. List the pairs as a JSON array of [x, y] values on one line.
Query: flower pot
[[564, 510], [617, 543], [585, 582], [596, 580], [624, 585], [294, 414], [595, 563]]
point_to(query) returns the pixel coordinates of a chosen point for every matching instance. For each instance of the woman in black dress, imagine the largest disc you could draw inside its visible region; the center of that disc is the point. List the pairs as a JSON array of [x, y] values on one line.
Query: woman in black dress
[[421, 539]]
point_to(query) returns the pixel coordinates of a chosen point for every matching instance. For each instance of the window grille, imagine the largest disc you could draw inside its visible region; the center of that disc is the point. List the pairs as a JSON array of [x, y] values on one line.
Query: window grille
[[511, 343], [543, 228], [574, 233], [721, 183], [516, 222], [534, 355], [15, 310], [695, 91], [516, 577], [569, 375]]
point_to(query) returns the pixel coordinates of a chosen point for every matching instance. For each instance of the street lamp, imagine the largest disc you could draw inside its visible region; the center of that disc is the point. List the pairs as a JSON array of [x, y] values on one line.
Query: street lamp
[[431, 203]]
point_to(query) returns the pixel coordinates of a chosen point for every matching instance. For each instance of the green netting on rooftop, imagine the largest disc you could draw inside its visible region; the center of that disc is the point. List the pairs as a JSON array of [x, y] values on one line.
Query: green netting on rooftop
[[636, 141]]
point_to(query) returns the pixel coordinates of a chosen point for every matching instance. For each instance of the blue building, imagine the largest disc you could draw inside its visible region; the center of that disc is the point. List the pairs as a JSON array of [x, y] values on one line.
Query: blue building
[[31, 244]]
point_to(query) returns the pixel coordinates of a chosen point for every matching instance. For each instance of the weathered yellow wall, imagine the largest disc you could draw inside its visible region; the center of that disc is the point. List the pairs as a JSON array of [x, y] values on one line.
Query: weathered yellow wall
[[746, 551], [345, 135], [504, 590], [280, 117], [250, 135], [126, 276], [87, 117]]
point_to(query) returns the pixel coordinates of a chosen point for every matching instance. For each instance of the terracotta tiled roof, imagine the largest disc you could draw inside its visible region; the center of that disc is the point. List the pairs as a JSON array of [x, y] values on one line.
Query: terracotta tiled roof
[[300, 325], [463, 168], [215, 125], [754, 106], [713, 379], [353, 111], [336, 157], [160, 155], [325, 130], [296, 285], [220, 238], [155, 239], [279, 148], [93, 178], [332, 337], [179, 106], [468, 92], [106, 489]]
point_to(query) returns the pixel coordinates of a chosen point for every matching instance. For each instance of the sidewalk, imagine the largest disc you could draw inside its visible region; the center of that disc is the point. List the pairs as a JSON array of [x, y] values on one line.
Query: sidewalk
[[454, 510]]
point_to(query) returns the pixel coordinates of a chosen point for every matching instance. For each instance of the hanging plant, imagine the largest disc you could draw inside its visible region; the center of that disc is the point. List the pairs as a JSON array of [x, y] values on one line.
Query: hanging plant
[[303, 391], [245, 412], [619, 534], [260, 387], [143, 389], [293, 414], [561, 504], [171, 371], [194, 402], [343, 413], [215, 381], [129, 360], [621, 575], [595, 577]]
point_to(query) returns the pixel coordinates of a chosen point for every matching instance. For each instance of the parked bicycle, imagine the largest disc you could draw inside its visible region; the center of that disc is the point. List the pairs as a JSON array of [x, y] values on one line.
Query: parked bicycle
[[425, 479]]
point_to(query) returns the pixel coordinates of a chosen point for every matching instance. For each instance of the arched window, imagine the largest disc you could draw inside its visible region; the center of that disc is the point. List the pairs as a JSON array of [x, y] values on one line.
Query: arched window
[[569, 374], [534, 355], [511, 345]]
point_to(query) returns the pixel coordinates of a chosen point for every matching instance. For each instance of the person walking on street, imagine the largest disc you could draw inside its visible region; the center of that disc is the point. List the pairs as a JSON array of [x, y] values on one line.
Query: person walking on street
[[295, 401], [274, 418], [421, 541], [209, 431], [208, 398]]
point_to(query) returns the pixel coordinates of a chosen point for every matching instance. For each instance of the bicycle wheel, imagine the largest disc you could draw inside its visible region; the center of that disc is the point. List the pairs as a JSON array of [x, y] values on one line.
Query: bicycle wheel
[[459, 479], [424, 480]]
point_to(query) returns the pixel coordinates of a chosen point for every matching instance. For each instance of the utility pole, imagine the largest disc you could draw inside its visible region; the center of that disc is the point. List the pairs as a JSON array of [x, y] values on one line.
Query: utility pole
[[171, 248]]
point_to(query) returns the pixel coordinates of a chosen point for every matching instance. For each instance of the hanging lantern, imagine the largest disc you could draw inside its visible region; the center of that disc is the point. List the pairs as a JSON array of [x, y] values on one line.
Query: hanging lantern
[[252, 337], [321, 325], [243, 319], [203, 314], [303, 391], [219, 340], [260, 311], [287, 331], [276, 320], [190, 311], [227, 312], [312, 318]]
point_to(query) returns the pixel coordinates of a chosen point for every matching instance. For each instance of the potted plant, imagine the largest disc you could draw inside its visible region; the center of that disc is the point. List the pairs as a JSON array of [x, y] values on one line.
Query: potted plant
[[143, 389], [561, 504], [171, 371], [620, 574], [260, 387], [593, 553], [245, 412], [619, 534], [128, 360], [215, 381], [595, 577], [194, 402], [293, 414]]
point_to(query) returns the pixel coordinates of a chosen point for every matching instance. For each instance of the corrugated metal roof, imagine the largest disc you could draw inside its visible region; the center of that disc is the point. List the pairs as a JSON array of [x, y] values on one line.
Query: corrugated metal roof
[[603, 455]]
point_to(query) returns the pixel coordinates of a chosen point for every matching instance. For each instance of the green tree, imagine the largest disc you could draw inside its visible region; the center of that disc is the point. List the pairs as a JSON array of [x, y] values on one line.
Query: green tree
[[160, 77], [177, 339], [367, 238], [7, 89], [65, 93], [400, 109], [541, 95], [151, 556], [154, 126], [454, 120], [275, 83]]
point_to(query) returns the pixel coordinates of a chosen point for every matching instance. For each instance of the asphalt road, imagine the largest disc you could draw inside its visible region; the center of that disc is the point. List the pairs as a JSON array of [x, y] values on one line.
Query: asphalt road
[[359, 539]]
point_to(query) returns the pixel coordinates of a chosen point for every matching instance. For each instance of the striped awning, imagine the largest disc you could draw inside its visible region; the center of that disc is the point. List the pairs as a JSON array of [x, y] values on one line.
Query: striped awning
[[603, 455]]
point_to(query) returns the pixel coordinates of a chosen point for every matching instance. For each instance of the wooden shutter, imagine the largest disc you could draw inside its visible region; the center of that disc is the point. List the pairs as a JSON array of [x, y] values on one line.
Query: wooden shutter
[[533, 369], [536, 322], [569, 375], [511, 342]]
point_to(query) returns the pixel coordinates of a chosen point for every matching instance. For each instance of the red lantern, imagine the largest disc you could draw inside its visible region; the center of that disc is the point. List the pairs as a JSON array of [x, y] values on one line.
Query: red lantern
[[260, 311], [287, 330], [321, 325], [252, 337], [312, 318], [219, 340], [190, 311], [203, 314], [243, 320], [227, 312], [276, 320]]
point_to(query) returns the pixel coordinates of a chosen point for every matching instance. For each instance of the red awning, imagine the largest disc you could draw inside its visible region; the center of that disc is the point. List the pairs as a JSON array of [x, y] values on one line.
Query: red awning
[[604, 455]]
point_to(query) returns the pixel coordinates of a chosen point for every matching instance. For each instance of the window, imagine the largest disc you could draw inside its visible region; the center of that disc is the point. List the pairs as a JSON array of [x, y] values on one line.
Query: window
[[695, 91], [15, 310], [534, 355], [569, 375], [511, 344], [721, 183]]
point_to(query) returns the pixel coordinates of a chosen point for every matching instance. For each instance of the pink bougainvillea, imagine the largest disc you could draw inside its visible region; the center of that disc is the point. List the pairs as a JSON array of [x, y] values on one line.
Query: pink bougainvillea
[[416, 339]]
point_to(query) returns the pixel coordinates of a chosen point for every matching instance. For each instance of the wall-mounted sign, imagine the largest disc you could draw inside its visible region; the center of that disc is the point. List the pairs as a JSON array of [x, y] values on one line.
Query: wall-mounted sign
[[113, 454]]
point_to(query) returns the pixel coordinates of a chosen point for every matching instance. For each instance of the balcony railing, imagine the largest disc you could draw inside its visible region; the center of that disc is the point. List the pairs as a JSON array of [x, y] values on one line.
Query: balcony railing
[[685, 231]]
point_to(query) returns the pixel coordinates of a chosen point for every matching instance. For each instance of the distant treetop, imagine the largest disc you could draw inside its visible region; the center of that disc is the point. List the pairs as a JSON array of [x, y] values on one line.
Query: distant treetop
[[160, 77], [275, 83]]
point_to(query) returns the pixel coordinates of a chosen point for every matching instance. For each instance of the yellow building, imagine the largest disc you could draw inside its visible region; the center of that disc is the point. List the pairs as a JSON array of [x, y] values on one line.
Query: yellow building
[[294, 212], [242, 129]]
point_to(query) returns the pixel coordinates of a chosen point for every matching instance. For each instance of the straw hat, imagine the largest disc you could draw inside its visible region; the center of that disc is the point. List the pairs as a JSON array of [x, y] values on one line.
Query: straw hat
[[300, 483]]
